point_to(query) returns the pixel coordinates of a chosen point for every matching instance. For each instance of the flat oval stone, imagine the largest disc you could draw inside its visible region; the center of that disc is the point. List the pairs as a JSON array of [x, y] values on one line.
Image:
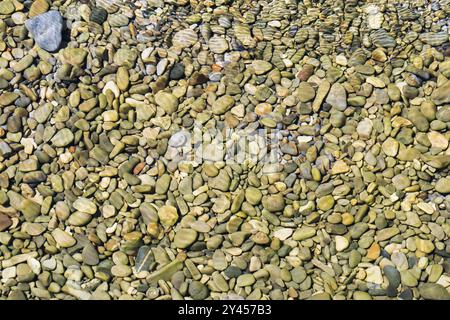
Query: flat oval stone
[[168, 215], [184, 238], [63, 138], [218, 44], [85, 205], [433, 291], [273, 203], [185, 38], [63, 239]]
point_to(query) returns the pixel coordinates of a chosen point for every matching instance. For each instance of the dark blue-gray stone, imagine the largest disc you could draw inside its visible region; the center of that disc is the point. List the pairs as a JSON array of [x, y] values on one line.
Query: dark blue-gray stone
[[144, 259], [407, 294], [392, 275], [46, 30], [177, 72], [391, 291]]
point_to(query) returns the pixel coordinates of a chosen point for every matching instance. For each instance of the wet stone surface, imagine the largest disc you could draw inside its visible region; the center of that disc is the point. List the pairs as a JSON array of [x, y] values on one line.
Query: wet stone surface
[[229, 150]]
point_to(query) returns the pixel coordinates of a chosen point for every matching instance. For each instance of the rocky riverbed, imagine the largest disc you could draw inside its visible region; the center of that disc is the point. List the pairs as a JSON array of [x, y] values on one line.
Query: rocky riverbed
[[219, 149]]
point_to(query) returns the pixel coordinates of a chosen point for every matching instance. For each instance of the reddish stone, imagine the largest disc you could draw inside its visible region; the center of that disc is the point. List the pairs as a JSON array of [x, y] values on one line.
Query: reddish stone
[[306, 72], [139, 168], [216, 68], [5, 222]]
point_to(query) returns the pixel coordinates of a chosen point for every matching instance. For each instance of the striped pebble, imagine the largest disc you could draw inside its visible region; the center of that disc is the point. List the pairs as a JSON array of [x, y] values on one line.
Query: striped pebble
[[98, 15], [277, 60], [205, 31], [184, 38], [357, 58], [224, 21], [268, 33], [118, 20], [411, 36], [434, 38], [277, 12], [243, 35], [381, 38], [301, 35], [218, 45], [406, 14]]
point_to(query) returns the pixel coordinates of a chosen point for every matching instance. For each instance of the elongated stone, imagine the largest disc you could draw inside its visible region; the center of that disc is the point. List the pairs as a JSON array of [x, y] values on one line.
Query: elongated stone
[[165, 272]]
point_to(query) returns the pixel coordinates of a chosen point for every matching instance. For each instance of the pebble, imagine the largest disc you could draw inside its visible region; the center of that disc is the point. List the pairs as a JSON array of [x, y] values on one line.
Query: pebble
[[218, 45], [168, 215], [85, 205], [337, 97], [341, 243], [443, 185], [198, 291], [184, 238], [185, 38], [46, 30], [433, 291], [303, 233], [222, 104], [6, 7], [167, 101], [63, 239], [390, 147], [273, 203], [373, 275]]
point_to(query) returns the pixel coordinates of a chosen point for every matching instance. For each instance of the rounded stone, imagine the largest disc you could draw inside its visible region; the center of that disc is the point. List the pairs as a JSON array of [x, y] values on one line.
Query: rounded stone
[[184, 238], [168, 215]]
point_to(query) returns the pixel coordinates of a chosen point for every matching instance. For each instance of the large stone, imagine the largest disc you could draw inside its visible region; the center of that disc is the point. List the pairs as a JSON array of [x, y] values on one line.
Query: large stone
[[184, 238], [168, 215], [261, 66], [6, 7], [5, 222], [433, 291], [273, 203], [373, 274], [441, 95], [337, 97], [364, 128], [443, 185], [74, 56], [167, 101], [390, 147], [303, 233], [222, 104], [63, 138], [184, 38], [46, 30], [85, 205], [63, 239]]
